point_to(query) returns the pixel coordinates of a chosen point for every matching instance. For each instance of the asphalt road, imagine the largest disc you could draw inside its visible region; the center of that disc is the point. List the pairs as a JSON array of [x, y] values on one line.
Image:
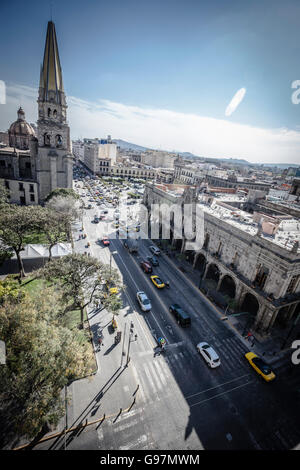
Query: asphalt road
[[183, 404]]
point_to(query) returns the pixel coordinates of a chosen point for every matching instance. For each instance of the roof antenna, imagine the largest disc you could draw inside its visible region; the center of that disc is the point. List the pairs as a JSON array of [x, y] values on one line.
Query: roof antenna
[[51, 9]]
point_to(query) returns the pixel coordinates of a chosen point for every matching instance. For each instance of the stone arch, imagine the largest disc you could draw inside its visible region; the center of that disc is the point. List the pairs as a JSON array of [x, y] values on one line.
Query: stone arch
[[250, 304], [228, 286], [189, 256], [200, 262], [213, 272]]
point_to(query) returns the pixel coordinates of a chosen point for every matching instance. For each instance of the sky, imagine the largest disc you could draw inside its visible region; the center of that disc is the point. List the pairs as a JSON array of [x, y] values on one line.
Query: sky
[[211, 77]]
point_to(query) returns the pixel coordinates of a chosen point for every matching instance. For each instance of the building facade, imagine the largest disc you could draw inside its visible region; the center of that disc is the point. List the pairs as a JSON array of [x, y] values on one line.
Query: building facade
[[37, 162], [255, 266]]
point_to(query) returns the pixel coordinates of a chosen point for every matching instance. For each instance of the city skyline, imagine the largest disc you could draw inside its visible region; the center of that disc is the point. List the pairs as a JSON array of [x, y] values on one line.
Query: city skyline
[[165, 109]]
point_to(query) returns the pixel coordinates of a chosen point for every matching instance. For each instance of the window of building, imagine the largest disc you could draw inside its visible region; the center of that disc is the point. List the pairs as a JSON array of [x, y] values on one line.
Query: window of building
[[293, 285], [21, 187], [2, 163], [31, 188], [22, 200], [7, 184], [261, 276], [28, 165], [32, 198]]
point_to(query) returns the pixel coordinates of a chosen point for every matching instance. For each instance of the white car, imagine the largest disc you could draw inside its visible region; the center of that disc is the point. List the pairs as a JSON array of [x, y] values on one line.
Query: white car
[[154, 250], [209, 355], [144, 302]]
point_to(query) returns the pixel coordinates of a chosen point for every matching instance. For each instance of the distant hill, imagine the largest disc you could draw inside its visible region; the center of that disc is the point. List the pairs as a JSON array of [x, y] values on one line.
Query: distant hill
[[129, 146], [235, 161]]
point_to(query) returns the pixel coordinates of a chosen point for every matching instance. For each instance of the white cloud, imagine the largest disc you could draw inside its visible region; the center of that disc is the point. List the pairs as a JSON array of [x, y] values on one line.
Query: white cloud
[[161, 128]]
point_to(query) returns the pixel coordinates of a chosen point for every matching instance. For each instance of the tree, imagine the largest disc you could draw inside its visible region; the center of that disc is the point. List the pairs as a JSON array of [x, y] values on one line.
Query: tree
[[82, 280], [54, 225], [64, 192], [15, 223], [4, 193], [42, 356], [66, 206]]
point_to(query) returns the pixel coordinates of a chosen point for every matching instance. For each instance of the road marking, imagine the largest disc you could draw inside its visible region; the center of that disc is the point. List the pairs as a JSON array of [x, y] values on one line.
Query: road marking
[[154, 375], [137, 379], [139, 441], [220, 385], [160, 373], [220, 394], [149, 378]]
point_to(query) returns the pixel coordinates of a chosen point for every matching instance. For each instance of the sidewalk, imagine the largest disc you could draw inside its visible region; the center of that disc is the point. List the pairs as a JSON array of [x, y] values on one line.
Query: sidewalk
[[268, 348]]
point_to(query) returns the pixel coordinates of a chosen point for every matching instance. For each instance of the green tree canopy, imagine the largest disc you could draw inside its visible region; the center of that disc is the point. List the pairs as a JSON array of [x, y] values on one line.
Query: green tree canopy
[[65, 192], [82, 280], [42, 355]]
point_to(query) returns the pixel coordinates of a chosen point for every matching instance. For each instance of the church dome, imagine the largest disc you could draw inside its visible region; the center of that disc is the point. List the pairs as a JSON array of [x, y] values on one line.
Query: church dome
[[20, 132]]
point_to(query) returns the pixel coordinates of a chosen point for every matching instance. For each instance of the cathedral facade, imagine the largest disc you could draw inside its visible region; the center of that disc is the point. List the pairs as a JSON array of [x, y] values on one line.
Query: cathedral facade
[[35, 161]]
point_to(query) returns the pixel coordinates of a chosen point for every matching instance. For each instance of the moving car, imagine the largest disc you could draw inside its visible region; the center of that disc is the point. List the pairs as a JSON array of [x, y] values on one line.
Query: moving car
[[154, 250], [182, 318], [153, 260], [146, 267], [105, 241], [144, 302], [260, 366], [209, 355], [157, 282]]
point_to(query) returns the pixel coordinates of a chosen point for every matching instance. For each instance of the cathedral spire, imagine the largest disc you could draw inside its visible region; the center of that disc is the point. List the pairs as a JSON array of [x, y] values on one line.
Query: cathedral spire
[[51, 83]]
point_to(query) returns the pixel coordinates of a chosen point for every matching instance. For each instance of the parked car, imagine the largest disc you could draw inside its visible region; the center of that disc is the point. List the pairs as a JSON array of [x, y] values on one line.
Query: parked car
[[146, 266], [260, 366], [209, 355], [144, 302], [154, 250], [182, 318]]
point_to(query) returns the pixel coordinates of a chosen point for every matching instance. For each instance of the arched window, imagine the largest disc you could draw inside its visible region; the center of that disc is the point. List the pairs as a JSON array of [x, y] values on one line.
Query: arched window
[[55, 114], [58, 140], [49, 112], [47, 139]]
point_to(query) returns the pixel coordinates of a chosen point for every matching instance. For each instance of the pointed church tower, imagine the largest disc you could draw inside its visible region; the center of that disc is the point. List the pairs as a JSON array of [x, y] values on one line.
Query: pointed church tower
[[54, 158]]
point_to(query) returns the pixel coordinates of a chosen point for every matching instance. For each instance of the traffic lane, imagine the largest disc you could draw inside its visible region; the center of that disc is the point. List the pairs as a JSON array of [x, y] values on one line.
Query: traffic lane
[[135, 281], [179, 290], [268, 395], [196, 301], [190, 336]]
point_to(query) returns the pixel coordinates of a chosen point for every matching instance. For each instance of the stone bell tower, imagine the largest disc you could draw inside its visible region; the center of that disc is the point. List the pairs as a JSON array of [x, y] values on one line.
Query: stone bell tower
[[54, 153]]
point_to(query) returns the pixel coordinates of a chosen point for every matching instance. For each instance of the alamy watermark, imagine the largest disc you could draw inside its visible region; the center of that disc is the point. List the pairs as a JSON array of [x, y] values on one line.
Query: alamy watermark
[[160, 221], [296, 353], [2, 92], [2, 352]]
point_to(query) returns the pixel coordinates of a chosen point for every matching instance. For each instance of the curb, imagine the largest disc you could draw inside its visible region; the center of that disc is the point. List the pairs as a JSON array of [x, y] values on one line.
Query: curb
[[79, 427]]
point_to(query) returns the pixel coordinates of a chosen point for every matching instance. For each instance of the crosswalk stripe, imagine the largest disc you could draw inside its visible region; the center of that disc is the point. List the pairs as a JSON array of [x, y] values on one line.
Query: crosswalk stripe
[[141, 391], [146, 370], [160, 373], [154, 375]]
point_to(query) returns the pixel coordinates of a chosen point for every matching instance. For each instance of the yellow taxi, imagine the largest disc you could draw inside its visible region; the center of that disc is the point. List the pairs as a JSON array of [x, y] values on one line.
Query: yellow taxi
[[157, 282], [260, 366], [113, 290]]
